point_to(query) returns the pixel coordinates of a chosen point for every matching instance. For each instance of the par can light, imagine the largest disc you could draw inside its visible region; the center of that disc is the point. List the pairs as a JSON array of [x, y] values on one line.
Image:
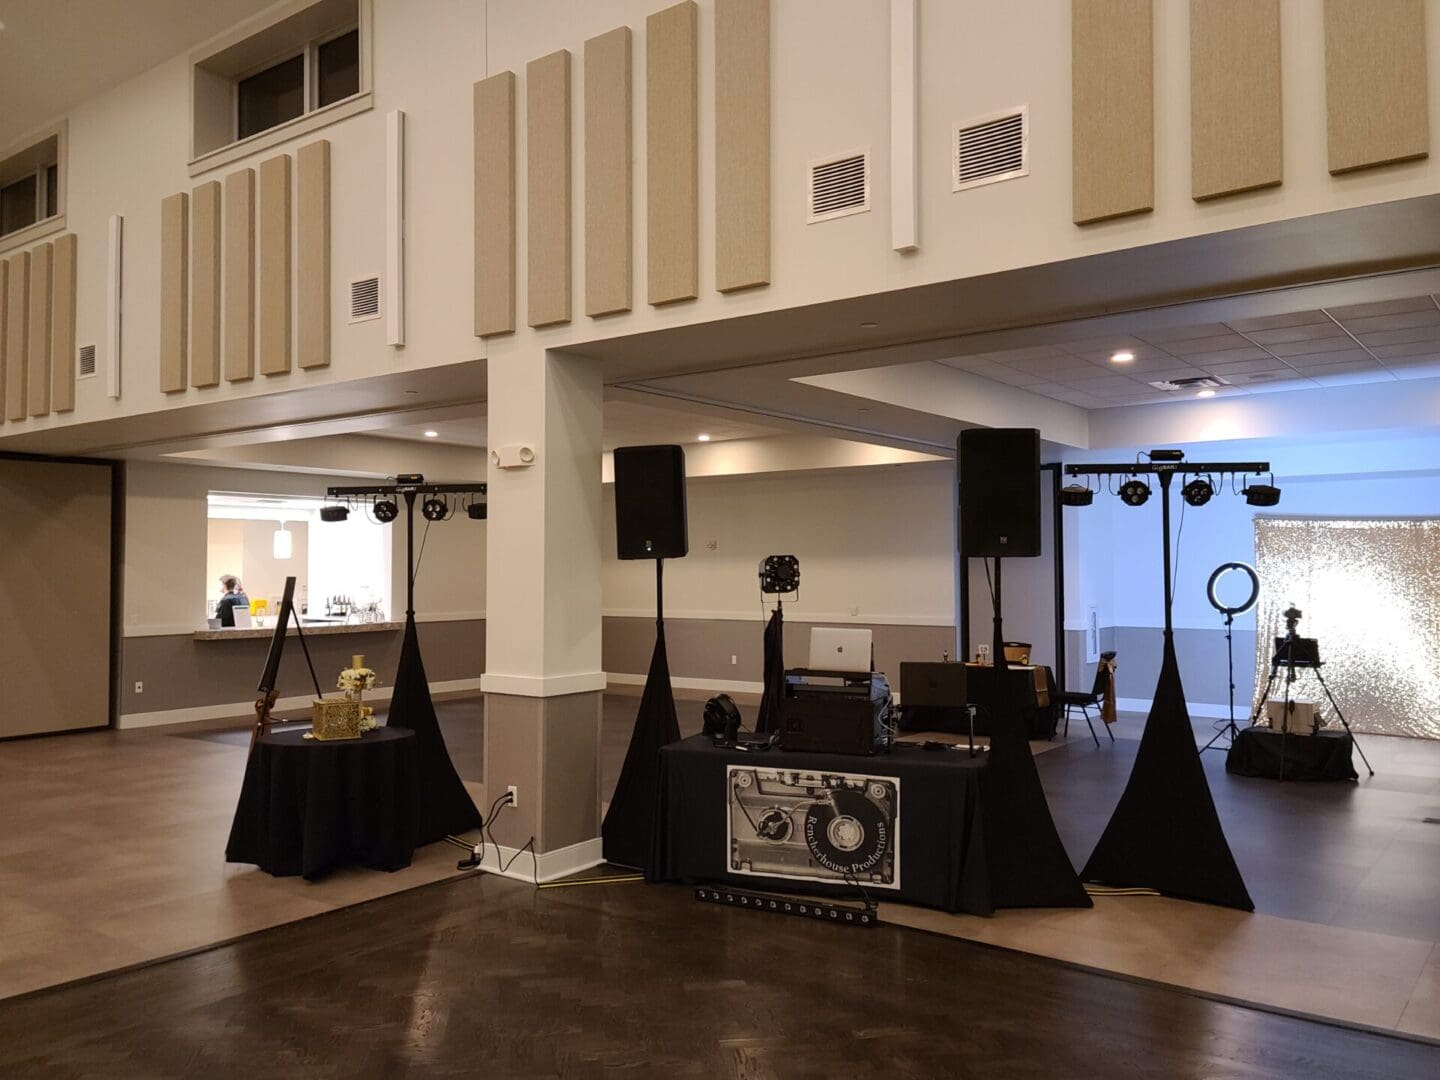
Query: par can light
[[1076, 495], [386, 511], [1198, 491], [478, 511], [1134, 492], [1262, 494], [434, 509], [334, 513], [779, 574]]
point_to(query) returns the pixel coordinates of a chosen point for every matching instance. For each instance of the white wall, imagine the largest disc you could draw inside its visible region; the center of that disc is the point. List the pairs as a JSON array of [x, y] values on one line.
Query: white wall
[[876, 545], [128, 150]]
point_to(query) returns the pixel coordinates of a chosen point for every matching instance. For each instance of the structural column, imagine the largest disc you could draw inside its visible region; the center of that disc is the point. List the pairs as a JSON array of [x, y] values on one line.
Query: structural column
[[543, 676]]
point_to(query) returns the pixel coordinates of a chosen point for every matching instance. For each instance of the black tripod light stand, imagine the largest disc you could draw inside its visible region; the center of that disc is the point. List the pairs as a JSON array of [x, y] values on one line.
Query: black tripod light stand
[[1230, 730]]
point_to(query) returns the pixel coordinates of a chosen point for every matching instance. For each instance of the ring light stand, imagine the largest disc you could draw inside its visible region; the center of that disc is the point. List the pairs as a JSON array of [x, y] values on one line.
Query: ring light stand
[[1230, 730]]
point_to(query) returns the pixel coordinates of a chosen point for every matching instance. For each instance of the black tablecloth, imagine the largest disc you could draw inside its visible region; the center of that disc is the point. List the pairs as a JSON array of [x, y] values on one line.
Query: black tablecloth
[[941, 852], [309, 806], [1327, 755]]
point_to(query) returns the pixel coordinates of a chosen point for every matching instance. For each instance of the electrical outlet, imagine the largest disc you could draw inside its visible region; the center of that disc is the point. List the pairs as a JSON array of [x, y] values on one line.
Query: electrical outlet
[[734, 659], [139, 687], [514, 795]]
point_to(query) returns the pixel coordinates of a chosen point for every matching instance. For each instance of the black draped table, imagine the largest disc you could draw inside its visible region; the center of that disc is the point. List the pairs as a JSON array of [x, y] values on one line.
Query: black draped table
[[309, 806], [701, 835], [1326, 755]]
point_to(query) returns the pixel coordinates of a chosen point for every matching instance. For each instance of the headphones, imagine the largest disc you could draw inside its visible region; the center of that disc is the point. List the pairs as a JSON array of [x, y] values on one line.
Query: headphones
[[722, 718]]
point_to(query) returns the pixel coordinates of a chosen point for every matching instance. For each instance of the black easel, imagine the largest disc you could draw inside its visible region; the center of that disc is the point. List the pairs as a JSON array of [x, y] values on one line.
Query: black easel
[[269, 694]]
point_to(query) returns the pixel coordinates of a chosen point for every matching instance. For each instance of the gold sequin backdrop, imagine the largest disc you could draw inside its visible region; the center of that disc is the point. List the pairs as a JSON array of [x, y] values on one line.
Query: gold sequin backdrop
[[1370, 592]]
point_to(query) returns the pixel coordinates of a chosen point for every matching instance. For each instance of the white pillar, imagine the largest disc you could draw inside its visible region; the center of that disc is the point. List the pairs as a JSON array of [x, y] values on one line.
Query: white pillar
[[543, 676]]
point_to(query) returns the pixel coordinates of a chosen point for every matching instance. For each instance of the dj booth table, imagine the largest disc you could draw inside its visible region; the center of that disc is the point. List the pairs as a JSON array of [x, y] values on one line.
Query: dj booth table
[[1326, 755], [939, 859]]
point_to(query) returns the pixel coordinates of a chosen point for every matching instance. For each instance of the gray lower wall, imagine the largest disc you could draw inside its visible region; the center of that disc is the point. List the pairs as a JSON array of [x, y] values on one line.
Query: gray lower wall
[[702, 648], [1201, 654], [182, 673]]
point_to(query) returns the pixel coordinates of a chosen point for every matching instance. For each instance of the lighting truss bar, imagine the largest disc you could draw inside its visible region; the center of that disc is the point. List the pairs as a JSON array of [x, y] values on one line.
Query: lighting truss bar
[[403, 489], [1186, 468]]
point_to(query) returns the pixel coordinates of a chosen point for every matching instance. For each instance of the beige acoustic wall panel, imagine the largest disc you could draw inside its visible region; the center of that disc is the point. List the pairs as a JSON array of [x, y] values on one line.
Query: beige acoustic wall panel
[[174, 284], [238, 284], [17, 336], [1112, 108], [274, 258], [547, 189], [1376, 103], [62, 325], [4, 328], [495, 204], [312, 254], [205, 284], [42, 261], [672, 215], [1235, 115], [742, 144], [609, 204]]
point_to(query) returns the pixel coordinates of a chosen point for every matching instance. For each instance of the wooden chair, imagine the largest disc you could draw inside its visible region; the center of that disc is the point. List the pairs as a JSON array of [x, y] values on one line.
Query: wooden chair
[[1070, 699]]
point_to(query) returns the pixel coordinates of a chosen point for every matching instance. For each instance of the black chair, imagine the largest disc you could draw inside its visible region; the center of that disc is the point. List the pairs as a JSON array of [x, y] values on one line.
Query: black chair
[[1071, 699]]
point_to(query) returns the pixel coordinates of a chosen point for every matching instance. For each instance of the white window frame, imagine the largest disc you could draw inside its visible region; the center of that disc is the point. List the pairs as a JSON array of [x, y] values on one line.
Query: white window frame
[[314, 117], [43, 226]]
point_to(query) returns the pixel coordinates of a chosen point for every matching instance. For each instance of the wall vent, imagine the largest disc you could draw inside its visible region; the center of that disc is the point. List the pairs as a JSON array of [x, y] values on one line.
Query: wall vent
[[87, 362], [839, 186], [991, 148], [365, 299], [1202, 382]]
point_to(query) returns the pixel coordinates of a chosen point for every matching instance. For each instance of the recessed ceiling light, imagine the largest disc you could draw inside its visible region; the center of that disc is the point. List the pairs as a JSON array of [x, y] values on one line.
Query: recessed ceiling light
[[1205, 393], [868, 325], [1124, 356], [703, 436], [432, 434]]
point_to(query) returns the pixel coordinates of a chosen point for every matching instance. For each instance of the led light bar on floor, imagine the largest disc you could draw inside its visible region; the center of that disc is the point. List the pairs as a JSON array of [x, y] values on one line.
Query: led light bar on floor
[[781, 905]]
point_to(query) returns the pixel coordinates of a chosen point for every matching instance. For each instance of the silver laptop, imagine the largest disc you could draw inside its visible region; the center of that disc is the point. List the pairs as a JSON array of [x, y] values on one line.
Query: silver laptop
[[835, 649]]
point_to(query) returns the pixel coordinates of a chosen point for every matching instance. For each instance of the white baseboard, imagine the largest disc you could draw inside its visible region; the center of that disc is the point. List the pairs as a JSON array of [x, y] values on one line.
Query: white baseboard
[[237, 710], [718, 686], [1196, 708], [551, 866]]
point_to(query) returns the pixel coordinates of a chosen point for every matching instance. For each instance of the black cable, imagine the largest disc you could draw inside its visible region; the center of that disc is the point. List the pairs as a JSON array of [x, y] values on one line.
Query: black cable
[[415, 573], [1175, 566], [529, 844]]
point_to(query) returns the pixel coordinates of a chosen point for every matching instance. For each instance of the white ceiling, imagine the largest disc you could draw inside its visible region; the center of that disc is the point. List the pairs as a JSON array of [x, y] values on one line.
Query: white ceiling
[[1374, 342], [55, 54], [626, 423]]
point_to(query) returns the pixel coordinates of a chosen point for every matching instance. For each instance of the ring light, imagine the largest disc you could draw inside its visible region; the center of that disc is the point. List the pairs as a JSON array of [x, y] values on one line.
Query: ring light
[[1221, 571]]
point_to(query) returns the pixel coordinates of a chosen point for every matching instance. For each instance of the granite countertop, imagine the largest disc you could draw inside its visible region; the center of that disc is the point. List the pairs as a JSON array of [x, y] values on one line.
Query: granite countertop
[[311, 630]]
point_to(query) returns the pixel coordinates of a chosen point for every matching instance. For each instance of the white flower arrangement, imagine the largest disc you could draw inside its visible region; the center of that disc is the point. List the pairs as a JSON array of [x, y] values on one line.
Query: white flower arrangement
[[356, 679]]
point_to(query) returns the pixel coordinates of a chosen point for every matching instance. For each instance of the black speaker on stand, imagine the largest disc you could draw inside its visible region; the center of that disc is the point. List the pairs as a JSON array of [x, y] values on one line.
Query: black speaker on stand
[[999, 473], [650, 523]]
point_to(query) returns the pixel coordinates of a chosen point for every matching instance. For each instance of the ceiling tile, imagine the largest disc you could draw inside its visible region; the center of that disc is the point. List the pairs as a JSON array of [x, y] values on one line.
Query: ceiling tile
[[1011, 377], [1051, 367], [1401, 337], [1414, 348], [1308, 332], [1032, 352], [1418, 371], [1339, 343], [1171, 374], [1381, 307], [1397, 362], [976, 365], [1245, 367], [1325, 377], [1183, 333], [1220, 342], [1399, 321], [1140, 350], [1324, 359], [1271, 322], [1228, 356]]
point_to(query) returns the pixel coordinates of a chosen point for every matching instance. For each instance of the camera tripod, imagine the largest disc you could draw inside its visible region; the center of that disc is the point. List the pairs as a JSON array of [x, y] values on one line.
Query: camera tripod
[[1285, 657]]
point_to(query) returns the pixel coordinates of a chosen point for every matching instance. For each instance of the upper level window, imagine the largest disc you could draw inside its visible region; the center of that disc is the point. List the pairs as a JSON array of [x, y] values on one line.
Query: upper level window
[[312, 56], [30, 188]]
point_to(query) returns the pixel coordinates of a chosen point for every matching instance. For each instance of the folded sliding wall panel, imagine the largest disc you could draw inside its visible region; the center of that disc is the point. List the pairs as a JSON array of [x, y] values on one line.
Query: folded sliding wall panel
[[238, 276], [672, 216], [609, 204], [1112, 108], [1376, 96], [547, 189], [174, 285], [205, 284], [62, 325], [742, 144], [312, 254], [42, 258], [1235, 115], [17, 325], [273, 254], [494, 121], [4, 329]]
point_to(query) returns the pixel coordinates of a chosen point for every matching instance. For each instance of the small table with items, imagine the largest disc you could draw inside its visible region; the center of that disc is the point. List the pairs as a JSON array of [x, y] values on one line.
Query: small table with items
[[310, 806], [1272, 755], [904, 826]]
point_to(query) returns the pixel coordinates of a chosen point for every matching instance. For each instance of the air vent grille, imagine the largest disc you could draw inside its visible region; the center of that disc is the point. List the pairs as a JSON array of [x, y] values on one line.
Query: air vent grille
[[87, 362], [1202, 382], [839, 186], [364, 299], [991, 148]]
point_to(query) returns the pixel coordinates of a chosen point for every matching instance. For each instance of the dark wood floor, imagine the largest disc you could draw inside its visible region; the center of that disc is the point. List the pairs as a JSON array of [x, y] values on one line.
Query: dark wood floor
[[487, 977]]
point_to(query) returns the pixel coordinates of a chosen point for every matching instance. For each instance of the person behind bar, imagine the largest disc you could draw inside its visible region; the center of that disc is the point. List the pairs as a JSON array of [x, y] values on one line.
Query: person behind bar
[[234, 597]]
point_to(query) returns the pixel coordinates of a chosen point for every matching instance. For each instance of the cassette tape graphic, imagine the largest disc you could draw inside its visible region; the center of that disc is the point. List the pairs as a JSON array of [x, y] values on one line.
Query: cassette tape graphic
[[831, 827]]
